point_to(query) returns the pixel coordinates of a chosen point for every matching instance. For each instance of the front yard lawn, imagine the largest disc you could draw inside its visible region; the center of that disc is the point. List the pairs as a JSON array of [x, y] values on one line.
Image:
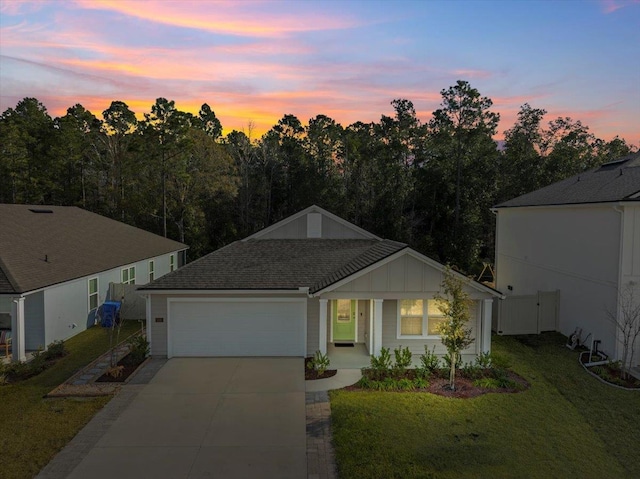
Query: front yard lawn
[[567, 424], [33, 429]]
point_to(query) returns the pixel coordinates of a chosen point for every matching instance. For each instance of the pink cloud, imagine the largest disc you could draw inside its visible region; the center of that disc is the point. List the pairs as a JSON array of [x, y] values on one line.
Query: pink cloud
[[610, 6], [231, 18]]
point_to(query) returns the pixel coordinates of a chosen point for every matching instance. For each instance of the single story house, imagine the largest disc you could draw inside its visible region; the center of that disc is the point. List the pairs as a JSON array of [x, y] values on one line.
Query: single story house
[[580, 237], [296, 287], [56, 263]]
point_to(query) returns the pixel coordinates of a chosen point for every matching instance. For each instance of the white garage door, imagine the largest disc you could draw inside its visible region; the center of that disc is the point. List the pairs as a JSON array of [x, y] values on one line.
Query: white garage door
[[234, 328]]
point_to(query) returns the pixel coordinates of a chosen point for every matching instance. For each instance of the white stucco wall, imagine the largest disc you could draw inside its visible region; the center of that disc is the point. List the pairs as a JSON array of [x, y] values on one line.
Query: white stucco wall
[[574, 249]]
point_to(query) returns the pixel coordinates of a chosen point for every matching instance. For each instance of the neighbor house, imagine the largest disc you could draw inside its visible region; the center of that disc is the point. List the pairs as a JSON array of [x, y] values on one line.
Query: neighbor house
[[579, 237], [56, 263], [311, 281]]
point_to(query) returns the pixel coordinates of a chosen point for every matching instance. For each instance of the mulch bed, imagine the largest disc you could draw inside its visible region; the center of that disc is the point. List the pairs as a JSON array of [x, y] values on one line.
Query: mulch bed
[[128, 368], [465, 389], [312, 374], [613, 374]]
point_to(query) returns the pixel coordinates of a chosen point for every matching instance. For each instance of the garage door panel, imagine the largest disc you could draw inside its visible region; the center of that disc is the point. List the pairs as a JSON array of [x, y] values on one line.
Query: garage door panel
[[266, 328]]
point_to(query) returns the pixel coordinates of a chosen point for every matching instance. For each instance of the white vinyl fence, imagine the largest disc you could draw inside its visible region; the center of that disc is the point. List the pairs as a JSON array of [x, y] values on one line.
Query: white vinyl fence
[[133, 305], [529, 314]]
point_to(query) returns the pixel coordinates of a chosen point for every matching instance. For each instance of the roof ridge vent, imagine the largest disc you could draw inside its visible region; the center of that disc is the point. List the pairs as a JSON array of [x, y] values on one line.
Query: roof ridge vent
[[612, 165]]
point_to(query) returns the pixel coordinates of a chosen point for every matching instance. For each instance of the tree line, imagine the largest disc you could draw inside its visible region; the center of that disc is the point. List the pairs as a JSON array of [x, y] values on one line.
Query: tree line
[[430, 184]]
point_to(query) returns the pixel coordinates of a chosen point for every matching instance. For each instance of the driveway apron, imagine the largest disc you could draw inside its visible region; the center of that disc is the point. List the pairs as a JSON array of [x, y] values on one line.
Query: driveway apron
[[209, 418]]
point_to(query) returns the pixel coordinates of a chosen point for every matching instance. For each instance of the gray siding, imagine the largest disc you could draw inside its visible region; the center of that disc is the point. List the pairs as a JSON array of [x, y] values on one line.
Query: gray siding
[[331, 229], [296, 229], [158, 329], [34, 321], [313, 326], [334, 230]]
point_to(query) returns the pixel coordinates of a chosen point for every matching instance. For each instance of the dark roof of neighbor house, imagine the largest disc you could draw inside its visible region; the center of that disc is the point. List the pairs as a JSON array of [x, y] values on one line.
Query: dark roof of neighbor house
[[278, 264], [614, 181], [45, 245]]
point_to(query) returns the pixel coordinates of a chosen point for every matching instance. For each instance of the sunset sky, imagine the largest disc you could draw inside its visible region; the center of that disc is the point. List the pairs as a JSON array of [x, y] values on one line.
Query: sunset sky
[[256, 61]]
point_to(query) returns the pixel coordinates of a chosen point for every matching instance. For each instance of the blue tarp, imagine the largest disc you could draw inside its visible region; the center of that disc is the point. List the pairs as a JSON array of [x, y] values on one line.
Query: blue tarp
[[110, 313]]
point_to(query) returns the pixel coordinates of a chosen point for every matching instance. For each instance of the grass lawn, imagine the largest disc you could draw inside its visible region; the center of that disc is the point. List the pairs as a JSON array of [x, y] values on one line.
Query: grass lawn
[[567, 424], [33, 429]]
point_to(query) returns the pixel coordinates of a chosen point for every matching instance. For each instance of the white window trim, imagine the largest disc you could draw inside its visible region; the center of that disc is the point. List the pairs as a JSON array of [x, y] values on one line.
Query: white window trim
[[172, 262], [128, 269], [96, 294], [152, 270], [425, 322]]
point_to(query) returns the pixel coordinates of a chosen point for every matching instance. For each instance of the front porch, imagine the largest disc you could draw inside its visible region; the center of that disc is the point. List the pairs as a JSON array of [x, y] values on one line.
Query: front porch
[[355, 357]]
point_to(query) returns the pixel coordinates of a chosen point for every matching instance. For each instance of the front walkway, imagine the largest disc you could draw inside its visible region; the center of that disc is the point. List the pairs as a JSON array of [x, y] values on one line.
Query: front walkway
[[355, 357]]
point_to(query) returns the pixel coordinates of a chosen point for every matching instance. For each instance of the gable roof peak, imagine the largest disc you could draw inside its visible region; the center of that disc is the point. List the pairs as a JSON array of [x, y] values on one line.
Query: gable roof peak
[[314, 227]]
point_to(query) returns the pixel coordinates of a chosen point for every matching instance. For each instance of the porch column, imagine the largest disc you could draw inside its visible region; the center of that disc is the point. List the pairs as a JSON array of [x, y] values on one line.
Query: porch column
[[487, 306], [370, 342], [322, 337], [377, 327], [17, 330]]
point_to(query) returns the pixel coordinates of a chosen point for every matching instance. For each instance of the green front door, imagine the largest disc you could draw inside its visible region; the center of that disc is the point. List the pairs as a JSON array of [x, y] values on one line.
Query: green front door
[[344, 320]]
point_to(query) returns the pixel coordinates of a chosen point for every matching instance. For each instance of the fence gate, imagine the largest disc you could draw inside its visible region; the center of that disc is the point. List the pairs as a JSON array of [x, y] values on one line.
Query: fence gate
[[529, 314]]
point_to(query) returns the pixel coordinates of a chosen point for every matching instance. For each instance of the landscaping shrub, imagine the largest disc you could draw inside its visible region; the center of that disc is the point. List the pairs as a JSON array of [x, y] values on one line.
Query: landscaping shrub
[[55, 350], [405, 384], [40, 361], [380, 365], [139, 349], [420, 383], [403, 360], [319, 362], [472, 371], [484, 360], [429, 363]]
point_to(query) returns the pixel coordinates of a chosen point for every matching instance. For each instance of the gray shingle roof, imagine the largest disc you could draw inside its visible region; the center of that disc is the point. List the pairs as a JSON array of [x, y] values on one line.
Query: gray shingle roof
[[615, 181], [278, 264], [46, 248]]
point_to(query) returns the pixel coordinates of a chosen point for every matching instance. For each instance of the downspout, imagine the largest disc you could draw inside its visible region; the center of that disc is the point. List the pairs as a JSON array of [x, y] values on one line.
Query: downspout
[[495, 312], [617, 334]]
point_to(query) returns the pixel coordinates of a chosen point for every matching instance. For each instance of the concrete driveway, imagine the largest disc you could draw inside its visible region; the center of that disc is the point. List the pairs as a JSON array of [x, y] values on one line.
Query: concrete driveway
[[209, 418]]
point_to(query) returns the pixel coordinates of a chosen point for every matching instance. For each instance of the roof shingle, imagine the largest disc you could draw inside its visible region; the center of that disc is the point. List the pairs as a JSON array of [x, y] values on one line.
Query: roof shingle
[[615, 181], [278, 264], [39, 249]]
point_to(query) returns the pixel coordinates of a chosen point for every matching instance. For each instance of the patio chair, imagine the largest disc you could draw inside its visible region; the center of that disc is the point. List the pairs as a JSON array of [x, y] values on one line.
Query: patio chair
[[5, 340]]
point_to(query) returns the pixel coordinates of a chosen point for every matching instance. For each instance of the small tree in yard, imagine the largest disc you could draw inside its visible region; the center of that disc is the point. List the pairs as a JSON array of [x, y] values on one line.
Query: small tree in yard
[[627, 323], [454, 333]]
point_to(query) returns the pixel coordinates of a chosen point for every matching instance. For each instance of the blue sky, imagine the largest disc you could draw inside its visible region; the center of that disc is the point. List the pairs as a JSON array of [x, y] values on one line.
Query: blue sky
[[253, 62]]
